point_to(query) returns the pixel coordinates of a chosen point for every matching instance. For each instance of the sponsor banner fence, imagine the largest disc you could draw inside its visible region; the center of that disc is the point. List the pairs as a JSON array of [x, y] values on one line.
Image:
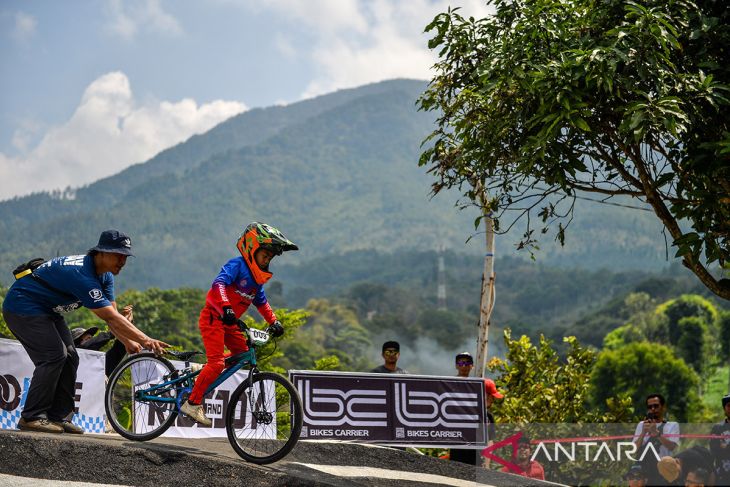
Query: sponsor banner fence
[[16, 371], [397, 409]]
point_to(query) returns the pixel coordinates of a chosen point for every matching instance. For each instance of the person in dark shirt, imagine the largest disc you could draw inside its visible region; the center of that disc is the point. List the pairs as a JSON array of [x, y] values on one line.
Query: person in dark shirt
[[89, 340], [720, 447], [470, 456], [391, 354]]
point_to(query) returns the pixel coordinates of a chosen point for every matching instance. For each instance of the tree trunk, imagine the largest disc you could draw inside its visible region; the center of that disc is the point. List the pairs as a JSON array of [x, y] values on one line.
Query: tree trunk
[[488, 291]]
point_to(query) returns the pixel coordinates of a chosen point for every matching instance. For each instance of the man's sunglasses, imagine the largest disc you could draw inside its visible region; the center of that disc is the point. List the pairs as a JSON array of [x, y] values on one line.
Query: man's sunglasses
[[463, 364], [653, 406], [390, 352]]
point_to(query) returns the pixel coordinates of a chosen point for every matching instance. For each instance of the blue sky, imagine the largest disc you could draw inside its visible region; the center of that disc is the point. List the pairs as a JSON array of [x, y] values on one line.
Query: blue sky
[[89, 87]]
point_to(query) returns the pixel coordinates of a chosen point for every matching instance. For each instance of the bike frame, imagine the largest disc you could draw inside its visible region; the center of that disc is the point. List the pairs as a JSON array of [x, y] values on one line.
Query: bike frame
[[244, 359]]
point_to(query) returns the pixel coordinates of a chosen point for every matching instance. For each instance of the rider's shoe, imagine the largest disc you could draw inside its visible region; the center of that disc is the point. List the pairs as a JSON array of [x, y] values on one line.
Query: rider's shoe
[[196, 413]]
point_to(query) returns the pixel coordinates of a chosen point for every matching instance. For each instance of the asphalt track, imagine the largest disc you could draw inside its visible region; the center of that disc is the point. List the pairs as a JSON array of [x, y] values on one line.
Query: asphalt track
[[112, 460]]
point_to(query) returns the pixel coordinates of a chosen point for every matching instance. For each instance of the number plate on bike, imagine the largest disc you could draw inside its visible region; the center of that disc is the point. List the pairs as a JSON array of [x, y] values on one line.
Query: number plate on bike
[[258, 337]]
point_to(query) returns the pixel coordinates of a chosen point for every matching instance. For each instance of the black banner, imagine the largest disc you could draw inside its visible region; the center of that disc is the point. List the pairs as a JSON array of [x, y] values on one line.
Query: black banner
[[392, 408]]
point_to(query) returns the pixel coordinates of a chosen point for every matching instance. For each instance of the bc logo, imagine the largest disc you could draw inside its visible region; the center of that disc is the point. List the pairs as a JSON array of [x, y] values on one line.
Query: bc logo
[[333, 407], [427, 409], [9, 392]]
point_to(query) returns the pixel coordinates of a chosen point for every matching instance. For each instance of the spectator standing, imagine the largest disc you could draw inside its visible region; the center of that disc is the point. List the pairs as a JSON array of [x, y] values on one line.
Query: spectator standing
[[720, 447], [527, 467], [390, 354], [464, 364], [656, 431], [474, 457]]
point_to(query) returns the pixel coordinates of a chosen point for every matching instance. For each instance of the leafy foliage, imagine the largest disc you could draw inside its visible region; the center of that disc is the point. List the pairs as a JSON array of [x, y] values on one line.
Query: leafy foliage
[[542, 387], [4, 331], [547, 99], [640, 368], [332, 332]]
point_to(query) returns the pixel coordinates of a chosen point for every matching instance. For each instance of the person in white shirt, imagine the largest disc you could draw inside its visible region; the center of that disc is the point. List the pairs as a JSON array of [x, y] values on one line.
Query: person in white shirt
[[657, 434]]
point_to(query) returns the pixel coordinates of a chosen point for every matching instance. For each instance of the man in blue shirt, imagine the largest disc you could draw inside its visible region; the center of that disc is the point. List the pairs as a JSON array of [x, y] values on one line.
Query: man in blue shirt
[[33, 310]]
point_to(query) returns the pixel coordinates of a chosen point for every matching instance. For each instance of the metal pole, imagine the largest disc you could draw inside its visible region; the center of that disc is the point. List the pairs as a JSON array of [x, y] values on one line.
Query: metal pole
[[488, 292]]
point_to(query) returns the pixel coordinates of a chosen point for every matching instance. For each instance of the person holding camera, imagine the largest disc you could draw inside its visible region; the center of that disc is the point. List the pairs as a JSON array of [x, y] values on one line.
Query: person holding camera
[[657, 434], [720, 445]]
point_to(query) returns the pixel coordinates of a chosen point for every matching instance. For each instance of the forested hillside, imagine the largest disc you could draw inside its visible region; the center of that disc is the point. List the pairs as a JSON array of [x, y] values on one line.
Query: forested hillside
[[336, 173], [339, 310]]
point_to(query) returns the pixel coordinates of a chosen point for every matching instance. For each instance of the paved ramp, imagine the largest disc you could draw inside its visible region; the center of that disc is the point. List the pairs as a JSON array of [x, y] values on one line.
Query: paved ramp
[[113, 460]]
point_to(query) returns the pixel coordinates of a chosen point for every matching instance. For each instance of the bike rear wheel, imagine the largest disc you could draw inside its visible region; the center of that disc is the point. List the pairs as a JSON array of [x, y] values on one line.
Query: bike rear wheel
[[134, 419], [264, 418]]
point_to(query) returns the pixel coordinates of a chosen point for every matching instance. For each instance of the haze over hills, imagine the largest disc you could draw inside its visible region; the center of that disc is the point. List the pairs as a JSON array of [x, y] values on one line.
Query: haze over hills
[[336, 173]]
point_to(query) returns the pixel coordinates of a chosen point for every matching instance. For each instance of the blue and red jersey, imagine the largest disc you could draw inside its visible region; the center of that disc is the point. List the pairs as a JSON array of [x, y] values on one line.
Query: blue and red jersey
[[235, 287]]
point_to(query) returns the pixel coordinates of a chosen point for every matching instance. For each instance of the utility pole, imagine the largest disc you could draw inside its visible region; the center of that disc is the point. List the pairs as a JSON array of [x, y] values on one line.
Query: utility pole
[[441, 290], [488, 293]]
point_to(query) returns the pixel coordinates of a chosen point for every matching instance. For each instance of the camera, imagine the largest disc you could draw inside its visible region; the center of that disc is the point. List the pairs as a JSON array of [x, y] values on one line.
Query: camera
[[652, 416]]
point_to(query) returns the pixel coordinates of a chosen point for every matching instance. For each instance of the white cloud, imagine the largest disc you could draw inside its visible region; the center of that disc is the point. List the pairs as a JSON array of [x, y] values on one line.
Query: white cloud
[[364, 41], [24, 28], [326, 16], [128, 17], [108, 132]]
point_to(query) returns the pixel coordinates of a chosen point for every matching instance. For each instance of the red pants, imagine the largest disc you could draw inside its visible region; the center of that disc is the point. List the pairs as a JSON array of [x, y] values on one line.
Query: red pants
[[215, 335]]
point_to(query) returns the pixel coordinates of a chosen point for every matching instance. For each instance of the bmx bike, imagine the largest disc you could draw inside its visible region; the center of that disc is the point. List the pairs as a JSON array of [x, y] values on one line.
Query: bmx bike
[[263, 418]]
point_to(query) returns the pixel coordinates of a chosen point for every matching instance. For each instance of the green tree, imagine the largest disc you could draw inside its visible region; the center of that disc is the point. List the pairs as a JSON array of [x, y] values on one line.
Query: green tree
[[686, 306], [694, 346], [640, 368], [724, 325], [331, 330], [622, 335], [540, 387], [548, 99]]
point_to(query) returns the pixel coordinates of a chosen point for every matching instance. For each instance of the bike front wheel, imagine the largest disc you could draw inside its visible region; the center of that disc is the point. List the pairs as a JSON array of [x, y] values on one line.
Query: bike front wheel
[[134, 418], [264, 418]]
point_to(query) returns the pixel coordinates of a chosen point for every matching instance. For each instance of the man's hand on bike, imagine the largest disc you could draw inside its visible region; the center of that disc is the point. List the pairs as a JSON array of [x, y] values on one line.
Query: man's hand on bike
[[276, 329], [132, 347], [156, 346], [229, 316]]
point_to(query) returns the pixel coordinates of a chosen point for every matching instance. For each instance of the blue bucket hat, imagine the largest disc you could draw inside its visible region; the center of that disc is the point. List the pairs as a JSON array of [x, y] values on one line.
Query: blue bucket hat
[[115, 242]]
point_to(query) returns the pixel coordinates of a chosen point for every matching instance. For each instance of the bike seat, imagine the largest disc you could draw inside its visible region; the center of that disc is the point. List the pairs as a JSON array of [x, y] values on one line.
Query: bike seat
[[184, 356]]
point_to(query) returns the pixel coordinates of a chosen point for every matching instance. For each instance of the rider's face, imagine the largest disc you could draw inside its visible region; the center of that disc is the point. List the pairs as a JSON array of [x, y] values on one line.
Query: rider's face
[[263, 257]]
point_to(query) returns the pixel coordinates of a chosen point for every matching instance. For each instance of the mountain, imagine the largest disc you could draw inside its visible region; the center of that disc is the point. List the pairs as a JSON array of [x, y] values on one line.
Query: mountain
[[336, 173]]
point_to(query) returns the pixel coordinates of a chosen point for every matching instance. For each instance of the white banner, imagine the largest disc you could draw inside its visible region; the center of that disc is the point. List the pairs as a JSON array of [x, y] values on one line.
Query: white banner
[[16, 371], [215, 403]]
